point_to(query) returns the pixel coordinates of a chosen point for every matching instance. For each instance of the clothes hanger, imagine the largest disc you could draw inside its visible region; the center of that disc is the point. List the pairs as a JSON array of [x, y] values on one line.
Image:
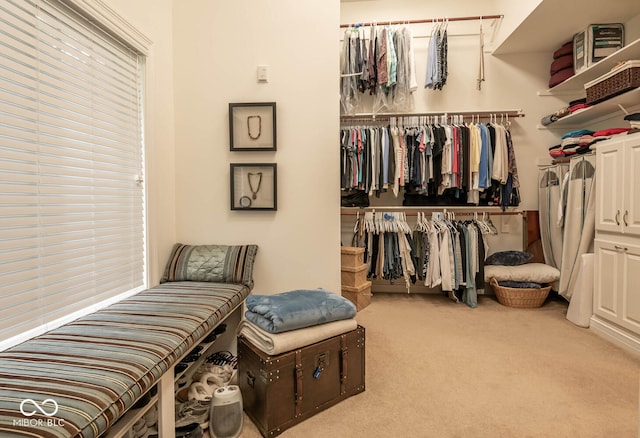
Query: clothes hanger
[[405, 224]]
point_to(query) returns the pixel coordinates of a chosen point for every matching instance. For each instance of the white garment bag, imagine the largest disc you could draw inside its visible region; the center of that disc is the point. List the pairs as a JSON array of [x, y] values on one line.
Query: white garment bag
[[579, 220], [549, 197]]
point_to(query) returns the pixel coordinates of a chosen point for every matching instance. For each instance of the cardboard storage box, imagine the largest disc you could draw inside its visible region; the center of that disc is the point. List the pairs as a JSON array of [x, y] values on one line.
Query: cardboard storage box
[[353, 277], [351, 256], [360, 296], [281, 391]]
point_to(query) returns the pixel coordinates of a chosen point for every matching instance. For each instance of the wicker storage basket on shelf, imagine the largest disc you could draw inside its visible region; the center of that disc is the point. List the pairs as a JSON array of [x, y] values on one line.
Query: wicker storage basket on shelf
[[617, 81], [520, 297]]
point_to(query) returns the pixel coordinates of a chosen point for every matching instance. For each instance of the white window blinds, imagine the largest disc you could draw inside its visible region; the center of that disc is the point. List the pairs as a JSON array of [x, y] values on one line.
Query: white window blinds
[[72, 217]]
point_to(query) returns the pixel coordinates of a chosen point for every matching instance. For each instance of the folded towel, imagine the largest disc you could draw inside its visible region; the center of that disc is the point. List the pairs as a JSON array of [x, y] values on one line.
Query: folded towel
[[560, 76], [297, 309], [565, 49], [276, 343], [560, 63]]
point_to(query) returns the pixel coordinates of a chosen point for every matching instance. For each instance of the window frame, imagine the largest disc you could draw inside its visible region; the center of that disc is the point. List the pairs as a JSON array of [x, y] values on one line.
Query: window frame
[[121, 32]]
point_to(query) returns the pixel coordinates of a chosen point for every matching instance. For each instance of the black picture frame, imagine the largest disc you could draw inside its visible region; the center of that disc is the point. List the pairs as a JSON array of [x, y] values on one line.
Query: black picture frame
[[252, 126], [254, 186]]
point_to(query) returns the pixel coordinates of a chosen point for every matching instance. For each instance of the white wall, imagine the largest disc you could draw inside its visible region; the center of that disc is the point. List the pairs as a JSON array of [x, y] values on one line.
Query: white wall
[[154, 19], [217, 47]]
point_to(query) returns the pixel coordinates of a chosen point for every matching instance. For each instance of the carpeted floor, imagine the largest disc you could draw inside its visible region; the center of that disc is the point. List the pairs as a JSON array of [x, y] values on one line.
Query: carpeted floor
[[440, 369]]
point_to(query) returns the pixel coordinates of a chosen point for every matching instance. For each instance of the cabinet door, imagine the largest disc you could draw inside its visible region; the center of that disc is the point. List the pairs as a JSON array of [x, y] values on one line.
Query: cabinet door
[[609, 187], [607, 281], [630, 279], [631, 212]]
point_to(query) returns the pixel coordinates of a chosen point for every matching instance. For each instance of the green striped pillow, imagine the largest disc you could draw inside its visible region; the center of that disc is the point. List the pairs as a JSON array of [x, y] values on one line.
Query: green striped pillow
[[211, 263]]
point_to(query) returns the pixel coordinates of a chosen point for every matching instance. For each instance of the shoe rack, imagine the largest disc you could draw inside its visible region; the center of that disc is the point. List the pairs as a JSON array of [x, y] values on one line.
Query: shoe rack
[[163, 395]]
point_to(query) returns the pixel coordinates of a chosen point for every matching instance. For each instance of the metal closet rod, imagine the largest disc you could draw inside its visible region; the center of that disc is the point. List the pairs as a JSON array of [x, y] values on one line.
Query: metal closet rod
[[387, 116], [427, 20], [412, 210]]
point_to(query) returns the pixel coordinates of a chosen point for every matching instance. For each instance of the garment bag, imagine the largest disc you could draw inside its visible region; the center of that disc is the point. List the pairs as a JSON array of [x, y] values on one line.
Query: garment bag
[[549, 198], [579, 221]]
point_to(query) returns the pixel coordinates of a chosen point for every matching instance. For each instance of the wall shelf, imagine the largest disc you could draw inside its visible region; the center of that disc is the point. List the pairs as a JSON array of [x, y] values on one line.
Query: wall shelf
[[576, 82], [553, 23], [600, 112]]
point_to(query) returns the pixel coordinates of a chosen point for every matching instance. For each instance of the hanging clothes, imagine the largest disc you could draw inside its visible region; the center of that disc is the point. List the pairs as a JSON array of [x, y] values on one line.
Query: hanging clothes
[[351, 69], [437, 54], [453, 162], [439, 252], [382, 65]]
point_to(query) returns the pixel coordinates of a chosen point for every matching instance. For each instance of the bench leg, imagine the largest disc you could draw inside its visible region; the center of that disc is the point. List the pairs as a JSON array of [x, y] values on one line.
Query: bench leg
[[166, 406]]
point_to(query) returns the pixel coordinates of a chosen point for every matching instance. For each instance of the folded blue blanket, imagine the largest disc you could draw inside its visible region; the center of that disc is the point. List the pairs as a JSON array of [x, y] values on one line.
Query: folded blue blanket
[[297, 309]]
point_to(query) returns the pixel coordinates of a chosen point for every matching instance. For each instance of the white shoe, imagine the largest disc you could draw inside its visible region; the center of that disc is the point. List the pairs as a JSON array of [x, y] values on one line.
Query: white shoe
[[199, 391], [211, 379]]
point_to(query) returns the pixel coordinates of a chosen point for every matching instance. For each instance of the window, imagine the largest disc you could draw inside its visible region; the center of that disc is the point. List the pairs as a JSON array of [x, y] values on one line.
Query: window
[[72, 204]]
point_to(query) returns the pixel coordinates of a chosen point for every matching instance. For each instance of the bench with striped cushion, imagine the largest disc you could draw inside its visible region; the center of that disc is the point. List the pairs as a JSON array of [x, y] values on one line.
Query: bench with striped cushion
[[96, 367]]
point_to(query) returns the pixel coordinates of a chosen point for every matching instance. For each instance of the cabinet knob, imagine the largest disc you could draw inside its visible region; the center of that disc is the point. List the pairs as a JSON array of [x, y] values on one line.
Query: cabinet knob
[[621, 248], [618, 217], [624, 218]]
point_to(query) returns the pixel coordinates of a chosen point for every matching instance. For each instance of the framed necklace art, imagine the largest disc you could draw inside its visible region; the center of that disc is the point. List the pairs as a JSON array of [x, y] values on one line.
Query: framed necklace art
[[252, 126], [254, 186]]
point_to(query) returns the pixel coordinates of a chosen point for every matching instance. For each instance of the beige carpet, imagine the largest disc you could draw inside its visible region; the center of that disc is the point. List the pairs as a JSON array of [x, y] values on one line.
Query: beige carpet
[[440, 369]]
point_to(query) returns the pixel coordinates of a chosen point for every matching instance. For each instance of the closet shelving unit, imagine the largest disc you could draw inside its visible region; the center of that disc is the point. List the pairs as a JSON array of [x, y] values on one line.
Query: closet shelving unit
[[574, 86], [599, 112], [576, 82], [451, 116], [550, 15]]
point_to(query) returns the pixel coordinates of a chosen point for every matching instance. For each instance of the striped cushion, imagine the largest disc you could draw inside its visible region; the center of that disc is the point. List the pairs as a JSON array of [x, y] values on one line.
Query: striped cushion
[[216, 263], [97, 366]]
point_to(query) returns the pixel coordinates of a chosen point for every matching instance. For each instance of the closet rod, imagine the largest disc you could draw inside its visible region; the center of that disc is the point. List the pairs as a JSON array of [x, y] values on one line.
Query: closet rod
[[483, 114], [412, 210], [428, 20]]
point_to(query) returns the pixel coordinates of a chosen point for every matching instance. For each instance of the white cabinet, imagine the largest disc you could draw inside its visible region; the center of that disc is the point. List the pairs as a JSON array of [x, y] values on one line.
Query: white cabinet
[[618, 186], [616, 299]]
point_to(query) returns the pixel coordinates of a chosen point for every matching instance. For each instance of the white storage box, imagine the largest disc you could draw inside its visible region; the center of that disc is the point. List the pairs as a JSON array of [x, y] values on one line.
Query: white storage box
[[595, 43]]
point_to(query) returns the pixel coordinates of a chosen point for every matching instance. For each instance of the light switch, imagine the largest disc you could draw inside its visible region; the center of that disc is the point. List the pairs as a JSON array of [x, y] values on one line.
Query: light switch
[[263, 74]]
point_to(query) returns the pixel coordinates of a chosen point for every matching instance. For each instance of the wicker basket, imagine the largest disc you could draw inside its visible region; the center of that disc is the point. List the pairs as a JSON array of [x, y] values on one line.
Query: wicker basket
[[520, 297], [613, 83]]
